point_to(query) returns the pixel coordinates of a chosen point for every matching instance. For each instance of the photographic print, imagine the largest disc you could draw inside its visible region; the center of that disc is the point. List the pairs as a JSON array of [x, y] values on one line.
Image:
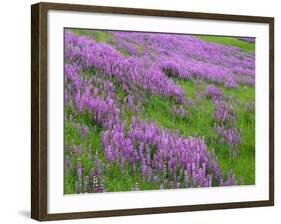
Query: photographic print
[[157, 111], [144, 111]]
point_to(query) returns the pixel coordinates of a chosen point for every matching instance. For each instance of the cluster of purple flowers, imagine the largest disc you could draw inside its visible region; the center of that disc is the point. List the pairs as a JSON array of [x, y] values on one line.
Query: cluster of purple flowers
[[192, 57], [214, 91], [226, 126], [163, 157], [133, 74], [171, 68], [181, 112], [222, 112], [232, 137]]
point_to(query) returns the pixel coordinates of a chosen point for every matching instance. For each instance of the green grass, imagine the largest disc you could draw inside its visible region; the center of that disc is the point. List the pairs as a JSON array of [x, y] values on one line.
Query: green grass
[[82, 32], [229, 41], [99, 36], [103, 36], [197, 120]]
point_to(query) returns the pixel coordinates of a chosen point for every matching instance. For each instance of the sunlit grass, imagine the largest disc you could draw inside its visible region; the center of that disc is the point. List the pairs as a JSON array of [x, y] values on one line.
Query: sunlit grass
[[229, 41]]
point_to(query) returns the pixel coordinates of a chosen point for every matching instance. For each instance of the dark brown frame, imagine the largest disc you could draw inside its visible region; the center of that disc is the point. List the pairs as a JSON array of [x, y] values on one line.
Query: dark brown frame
[[39, 110]]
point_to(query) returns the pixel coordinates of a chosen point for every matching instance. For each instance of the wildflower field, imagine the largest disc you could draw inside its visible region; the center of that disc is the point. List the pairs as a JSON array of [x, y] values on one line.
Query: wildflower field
[[147, 111]]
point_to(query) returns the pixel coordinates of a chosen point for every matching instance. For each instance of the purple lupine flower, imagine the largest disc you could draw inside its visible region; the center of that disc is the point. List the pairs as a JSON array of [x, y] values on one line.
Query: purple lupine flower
[[78, 150], [155, 179], [143, 170], [84, 131], [213, 91], [102, 187], [99, 167], [79, 169], [179, 111], [95, 184], [190, 102], [209, 181]]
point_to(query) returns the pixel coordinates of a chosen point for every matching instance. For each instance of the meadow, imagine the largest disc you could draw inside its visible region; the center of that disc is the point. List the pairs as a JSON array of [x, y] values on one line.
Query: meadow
[[147, 111]]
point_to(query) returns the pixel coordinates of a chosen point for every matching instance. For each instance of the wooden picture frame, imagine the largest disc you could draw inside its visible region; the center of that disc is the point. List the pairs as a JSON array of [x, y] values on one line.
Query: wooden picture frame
[[39, 109]]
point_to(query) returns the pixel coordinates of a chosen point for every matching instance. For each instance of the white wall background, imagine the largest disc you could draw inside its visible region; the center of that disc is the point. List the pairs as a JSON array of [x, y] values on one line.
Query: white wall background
[[15, 111]]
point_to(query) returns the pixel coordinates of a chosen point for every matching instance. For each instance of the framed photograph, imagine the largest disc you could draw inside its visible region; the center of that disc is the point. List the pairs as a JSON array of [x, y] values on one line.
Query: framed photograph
[[139, 111]]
